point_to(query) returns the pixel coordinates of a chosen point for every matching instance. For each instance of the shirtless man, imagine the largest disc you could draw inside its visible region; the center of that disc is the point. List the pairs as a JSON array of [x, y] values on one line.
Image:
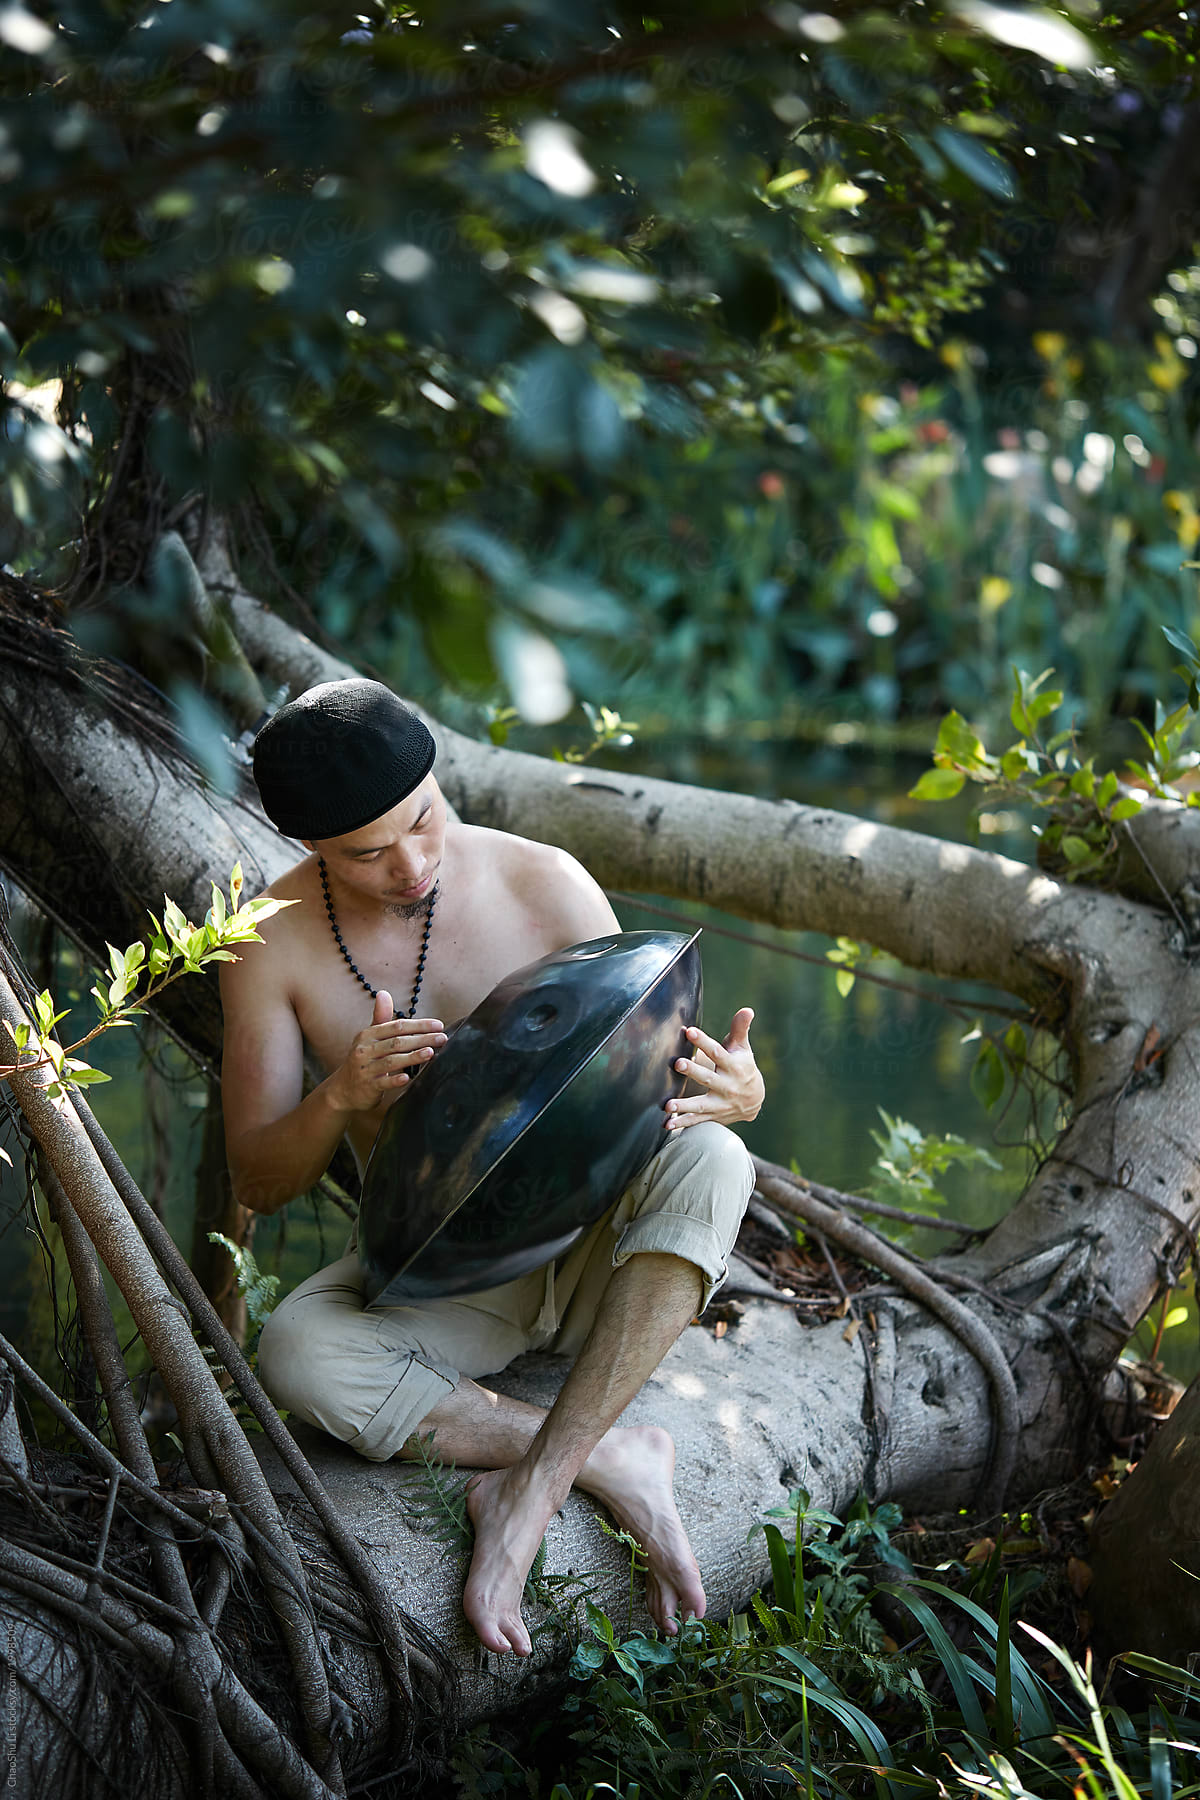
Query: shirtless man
[[396, 898]]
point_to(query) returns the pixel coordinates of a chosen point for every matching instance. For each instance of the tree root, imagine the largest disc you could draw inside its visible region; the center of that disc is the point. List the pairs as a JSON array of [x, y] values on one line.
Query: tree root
[[204, 1415], [797, 1197], [394, 1630], [267, 1749]]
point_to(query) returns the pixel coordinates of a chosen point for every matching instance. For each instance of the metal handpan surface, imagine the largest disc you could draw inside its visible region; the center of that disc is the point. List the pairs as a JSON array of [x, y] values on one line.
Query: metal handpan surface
[[540, 1109]]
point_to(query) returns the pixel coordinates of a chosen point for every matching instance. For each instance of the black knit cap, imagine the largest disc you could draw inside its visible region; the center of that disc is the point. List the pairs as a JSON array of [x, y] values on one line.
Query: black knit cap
[[339, 756]]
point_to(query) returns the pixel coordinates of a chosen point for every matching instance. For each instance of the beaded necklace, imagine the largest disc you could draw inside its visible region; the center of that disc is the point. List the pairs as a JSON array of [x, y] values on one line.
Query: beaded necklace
[[350, 962]]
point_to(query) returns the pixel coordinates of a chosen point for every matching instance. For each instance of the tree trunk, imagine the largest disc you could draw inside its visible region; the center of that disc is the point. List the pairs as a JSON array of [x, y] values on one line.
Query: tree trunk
[[1145, 1557], [904, 1408]]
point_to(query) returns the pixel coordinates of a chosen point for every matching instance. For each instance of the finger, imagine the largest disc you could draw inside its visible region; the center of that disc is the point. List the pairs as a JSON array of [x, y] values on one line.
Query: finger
[[403, 1059], [703, 1042], [413, 1040], [739, 1030], [397, 1031], [383, 1010], [693, 1103], [698, 1072], [681, 1120]]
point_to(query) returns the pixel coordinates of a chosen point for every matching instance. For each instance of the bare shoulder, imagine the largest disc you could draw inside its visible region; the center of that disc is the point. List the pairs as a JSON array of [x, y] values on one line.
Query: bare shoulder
[[265, 966], [544, 881]]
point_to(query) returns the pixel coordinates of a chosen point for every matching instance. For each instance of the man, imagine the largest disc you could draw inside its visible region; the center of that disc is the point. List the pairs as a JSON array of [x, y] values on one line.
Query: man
[[395, 899]]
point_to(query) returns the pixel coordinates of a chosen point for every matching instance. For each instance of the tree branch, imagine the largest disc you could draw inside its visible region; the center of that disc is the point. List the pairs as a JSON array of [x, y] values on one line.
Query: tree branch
[[784, 1190]]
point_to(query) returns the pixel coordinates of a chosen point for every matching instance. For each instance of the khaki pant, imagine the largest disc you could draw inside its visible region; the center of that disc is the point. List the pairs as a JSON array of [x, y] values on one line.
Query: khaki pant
[[368, 1375]]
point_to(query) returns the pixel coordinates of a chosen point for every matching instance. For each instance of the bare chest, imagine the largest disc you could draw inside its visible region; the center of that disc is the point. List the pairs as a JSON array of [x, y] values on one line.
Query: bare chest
[[465, 958]]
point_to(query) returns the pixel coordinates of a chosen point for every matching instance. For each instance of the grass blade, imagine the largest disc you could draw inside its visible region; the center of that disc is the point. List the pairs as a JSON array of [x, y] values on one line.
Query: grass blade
[[950, 1658], [1037, 1720], [782, 1573], [1004, 1701], [1161, 1778], [872, 1745]]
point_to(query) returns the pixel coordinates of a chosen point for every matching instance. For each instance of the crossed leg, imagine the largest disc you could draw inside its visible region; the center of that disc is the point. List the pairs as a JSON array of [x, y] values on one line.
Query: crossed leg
[[533, 1458]]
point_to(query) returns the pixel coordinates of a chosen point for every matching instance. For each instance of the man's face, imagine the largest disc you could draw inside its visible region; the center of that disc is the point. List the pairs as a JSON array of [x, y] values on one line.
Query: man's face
[[395, 859]]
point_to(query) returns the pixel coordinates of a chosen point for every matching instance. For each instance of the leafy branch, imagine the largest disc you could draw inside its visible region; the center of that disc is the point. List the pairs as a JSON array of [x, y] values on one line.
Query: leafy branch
[[1079, 807], [135, 977], [608, 728], [910, 1161]]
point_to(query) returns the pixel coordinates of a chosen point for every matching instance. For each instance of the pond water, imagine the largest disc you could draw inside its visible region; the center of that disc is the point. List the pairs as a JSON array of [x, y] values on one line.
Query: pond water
[[830, 1063]]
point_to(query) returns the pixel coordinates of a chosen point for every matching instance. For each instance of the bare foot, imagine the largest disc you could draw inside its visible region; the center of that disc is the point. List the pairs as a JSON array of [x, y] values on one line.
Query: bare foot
[[632, 1472], [510, 1517]]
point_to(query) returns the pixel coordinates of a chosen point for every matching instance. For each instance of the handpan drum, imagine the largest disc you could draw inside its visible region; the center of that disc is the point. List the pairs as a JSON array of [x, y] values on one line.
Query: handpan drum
[[539, 1110]]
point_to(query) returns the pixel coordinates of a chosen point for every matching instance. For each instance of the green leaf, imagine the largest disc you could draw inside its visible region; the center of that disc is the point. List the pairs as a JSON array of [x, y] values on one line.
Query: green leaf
[[81, 1075], [1017, 762], [957, 742], [1126, 808], [781, 1566], [1161, 1671], [1107, 789], [174, 921], [1076, 849], [987, 1077], [938, 784], [843, 980], [983, 166], [1179, 640], [1044, 704]]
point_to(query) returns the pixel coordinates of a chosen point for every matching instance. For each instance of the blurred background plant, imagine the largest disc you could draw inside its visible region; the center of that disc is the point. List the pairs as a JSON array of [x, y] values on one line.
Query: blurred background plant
[[717, 366]]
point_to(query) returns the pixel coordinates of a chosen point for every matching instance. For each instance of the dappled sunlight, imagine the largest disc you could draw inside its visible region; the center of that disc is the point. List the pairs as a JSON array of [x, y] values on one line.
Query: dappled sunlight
[[684, 1383], [860, 837], [953, 858]]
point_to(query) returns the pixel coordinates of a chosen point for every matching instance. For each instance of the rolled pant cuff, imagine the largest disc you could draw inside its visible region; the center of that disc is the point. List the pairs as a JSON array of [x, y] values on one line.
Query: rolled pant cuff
[[414, 1396], [683, 1235]]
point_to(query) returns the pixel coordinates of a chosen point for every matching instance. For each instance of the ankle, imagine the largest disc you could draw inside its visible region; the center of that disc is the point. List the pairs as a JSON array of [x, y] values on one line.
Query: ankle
[[538, 1480]]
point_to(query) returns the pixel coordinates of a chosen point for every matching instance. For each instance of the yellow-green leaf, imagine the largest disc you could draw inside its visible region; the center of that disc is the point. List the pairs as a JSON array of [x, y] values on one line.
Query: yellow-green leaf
[[1076, 849], [938, 784]]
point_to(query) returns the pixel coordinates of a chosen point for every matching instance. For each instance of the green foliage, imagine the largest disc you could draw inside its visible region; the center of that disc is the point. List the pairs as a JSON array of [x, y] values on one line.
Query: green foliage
[[261, 1291], [804, 1693], [436, 1501], [909, 1162], [542, 350], [136, 976], [1078, 809], [848, 955]]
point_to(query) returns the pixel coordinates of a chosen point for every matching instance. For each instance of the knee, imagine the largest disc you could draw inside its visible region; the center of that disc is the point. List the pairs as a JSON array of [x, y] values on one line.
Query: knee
[[284, 1354], [724, 1158]]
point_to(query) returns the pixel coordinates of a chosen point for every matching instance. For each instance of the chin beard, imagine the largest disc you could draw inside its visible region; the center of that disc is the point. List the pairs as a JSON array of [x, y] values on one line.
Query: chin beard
[[410, 909]]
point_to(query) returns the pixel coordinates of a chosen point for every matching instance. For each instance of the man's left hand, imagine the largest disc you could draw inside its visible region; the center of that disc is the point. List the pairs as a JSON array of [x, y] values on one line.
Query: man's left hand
[[728, 1074]]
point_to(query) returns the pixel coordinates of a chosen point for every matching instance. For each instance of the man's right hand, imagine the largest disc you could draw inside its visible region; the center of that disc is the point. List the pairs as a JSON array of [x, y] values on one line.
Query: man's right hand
[[384, 1057]]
